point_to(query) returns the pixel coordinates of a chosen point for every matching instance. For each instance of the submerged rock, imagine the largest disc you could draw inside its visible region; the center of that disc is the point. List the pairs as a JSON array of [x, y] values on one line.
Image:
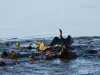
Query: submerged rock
[[68, 55], [2, 63]]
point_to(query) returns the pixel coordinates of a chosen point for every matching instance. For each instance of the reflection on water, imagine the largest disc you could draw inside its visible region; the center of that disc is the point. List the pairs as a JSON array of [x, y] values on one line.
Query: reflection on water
[[83, 65]]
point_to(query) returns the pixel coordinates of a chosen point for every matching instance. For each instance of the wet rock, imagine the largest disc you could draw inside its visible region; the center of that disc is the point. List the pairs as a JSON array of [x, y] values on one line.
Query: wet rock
[[29, 47], [3, 64], [4, 54], [93, 51], [7, 44], [68, 55]]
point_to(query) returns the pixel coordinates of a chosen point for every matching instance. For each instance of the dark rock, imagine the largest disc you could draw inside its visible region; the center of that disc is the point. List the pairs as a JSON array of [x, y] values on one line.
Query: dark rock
[[66, 54], [2, 63], [93, 51]]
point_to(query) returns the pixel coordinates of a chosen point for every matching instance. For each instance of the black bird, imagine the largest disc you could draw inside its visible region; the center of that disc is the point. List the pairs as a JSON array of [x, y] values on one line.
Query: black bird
[[65, 46], [58, 40]]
